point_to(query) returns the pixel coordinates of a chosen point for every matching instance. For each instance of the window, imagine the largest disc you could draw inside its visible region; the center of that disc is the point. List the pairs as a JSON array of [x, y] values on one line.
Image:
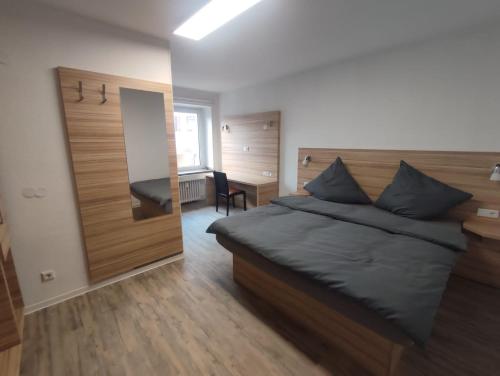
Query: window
[[193, 136], [187, 138]]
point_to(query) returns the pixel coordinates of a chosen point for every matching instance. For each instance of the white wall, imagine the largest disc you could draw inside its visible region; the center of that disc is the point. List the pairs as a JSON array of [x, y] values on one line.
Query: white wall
[[46, 232], [144, 126], [439, 95]]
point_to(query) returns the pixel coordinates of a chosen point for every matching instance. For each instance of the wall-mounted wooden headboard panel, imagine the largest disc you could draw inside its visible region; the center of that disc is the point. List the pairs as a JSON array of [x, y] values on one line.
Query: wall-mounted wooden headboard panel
[[260, 134], [374, 170], [469, 171]]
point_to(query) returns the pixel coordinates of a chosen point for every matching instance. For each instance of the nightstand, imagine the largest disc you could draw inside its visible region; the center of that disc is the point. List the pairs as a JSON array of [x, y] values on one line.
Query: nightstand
[[300, 193], [484, 229]]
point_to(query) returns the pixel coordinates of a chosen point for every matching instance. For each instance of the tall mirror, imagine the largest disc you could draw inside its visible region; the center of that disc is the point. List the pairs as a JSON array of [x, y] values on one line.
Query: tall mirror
[[144, 125]]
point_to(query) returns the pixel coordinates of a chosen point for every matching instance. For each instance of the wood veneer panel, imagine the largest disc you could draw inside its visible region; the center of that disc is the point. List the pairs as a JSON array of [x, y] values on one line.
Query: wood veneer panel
[[9, 333], [13, 282], [267, 192], [374, 352], [374, 170], [4, 241], [10, 361], [264, 144], [114, 241], [469, 171]]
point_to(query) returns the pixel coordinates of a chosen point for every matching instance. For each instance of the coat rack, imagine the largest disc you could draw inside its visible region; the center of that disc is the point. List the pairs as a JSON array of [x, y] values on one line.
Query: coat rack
[[80, 91], [103, 92], [81, 97]]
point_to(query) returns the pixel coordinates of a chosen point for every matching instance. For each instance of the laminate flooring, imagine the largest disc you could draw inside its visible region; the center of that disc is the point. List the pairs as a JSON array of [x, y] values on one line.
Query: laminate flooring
[[190, 318]]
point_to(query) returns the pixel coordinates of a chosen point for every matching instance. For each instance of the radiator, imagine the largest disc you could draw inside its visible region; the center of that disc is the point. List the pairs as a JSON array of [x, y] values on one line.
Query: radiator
[[192, 190]]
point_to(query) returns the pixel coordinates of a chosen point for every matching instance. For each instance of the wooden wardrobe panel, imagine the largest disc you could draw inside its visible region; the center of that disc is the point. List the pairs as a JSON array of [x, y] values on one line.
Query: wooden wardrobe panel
[[114, 241]]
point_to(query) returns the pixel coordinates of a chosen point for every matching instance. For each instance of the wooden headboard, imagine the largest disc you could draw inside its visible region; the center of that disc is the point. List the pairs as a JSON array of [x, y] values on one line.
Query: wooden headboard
[[374, 170], [469, 171], [250, 144]]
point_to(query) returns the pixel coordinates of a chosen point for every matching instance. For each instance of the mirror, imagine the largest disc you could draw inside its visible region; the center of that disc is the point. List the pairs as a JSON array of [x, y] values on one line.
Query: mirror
[[144, 127]]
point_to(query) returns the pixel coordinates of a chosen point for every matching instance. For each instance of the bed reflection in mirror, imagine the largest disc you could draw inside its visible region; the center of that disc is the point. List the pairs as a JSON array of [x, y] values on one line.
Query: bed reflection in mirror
[[144, 126]]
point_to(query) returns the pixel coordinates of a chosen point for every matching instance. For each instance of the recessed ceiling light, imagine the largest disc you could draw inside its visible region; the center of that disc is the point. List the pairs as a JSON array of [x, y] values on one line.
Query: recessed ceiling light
[[212, 16]]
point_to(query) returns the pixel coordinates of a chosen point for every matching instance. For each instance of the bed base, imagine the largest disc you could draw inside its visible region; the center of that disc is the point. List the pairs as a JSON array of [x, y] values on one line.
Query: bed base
[[373, 352]]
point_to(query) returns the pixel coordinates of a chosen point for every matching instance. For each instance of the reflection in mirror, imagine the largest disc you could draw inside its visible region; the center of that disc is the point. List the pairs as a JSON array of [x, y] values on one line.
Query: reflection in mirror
[[144, 126]]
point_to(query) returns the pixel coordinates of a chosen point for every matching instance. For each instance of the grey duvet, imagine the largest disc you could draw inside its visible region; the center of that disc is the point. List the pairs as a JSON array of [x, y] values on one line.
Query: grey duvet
[[396, 266]]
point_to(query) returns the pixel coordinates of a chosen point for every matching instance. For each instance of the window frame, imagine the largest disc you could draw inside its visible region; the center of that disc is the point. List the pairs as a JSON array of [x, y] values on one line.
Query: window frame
[[201, 135]]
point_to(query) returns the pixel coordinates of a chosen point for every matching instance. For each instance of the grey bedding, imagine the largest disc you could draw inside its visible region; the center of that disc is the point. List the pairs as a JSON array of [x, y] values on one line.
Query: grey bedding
[[396, 266], [156, 189]]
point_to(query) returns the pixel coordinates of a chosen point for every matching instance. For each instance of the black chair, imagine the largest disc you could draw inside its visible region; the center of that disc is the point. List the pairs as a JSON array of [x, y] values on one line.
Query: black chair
[[222, 190]]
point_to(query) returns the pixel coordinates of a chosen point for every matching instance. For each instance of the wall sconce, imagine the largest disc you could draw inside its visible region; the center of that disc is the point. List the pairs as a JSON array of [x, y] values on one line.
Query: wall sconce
[[495, 175], [306, 160], [267, 125]]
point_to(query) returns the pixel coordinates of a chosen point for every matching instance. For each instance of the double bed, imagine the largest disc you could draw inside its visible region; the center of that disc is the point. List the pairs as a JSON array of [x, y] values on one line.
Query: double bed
[[366, 280]]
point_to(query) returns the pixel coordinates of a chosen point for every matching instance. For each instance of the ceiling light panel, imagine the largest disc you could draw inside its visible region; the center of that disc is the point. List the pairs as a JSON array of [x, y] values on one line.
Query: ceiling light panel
[[212, 16]]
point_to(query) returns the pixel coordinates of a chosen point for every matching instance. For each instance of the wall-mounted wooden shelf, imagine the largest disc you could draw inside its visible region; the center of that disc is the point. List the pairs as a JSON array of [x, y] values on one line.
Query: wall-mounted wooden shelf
[[485, 229], [300, 193]]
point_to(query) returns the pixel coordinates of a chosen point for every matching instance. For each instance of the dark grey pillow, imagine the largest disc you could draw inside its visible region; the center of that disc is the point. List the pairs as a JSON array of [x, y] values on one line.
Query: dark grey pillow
[[415, 195], [336, 184]]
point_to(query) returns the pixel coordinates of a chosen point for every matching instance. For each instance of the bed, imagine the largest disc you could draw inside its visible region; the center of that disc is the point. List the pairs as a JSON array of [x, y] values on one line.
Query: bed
[[155, 197], [368, 281]]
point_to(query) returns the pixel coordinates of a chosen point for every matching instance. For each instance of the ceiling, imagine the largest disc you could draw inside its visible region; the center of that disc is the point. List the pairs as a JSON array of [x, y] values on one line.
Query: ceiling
[[279, 37]]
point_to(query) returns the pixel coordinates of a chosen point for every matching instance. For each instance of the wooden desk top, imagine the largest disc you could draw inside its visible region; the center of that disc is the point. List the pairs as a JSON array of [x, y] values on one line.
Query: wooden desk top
[[248, 179], [485, 229]]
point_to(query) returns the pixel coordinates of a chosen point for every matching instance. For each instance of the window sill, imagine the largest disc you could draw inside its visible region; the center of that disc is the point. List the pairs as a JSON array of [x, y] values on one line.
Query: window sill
[[197, 171]]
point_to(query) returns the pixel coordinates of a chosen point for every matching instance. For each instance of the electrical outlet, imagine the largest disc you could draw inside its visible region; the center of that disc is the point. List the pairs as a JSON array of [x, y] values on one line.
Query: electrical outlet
[[488, 213], [48, 275], [267, 173], [246, 148]]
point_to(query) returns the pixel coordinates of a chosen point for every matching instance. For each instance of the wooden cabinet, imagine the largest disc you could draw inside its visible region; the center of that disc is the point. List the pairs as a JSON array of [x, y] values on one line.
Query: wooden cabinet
[[11, 307]]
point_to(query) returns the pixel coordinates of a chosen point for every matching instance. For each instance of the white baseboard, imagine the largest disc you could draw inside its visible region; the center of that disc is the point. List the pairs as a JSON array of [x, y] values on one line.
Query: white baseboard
[[85, 289]]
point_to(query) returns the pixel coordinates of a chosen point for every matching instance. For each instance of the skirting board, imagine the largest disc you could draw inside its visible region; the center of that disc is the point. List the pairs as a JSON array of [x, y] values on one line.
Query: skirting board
[[85, 289]]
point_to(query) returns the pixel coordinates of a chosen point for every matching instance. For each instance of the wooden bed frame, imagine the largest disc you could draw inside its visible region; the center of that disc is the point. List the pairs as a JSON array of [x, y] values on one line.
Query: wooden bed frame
[[375, 350]]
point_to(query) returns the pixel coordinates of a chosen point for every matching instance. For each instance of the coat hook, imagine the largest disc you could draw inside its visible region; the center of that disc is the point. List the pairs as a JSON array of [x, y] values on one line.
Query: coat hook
[[80, 91], [103, 94]]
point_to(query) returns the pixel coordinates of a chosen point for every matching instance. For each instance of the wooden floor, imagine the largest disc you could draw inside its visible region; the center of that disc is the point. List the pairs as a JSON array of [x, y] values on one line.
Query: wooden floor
[[189, 318]]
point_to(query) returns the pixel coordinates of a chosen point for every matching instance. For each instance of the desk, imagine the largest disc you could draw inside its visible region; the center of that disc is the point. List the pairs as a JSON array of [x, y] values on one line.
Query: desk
[[260, 189]]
